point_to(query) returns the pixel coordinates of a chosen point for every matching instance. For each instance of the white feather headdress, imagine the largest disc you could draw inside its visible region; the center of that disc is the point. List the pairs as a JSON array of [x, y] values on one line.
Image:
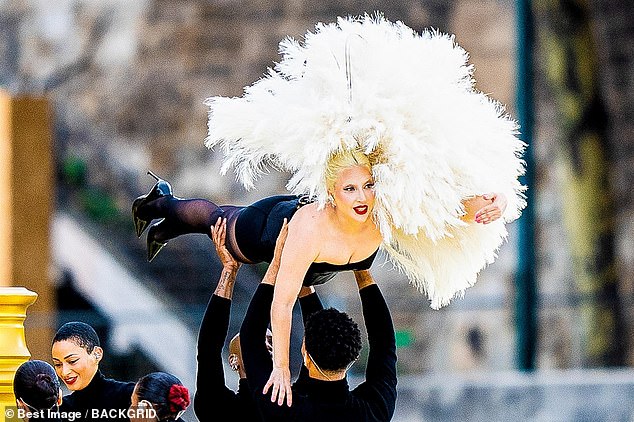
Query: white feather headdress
[[408, 97]]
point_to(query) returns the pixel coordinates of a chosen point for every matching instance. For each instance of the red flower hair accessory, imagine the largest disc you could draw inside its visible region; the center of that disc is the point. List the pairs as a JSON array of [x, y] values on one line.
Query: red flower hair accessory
[[178, 398]]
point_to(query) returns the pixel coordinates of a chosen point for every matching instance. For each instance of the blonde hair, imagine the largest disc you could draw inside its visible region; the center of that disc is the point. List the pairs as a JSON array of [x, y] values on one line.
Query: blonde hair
[[343, 160]]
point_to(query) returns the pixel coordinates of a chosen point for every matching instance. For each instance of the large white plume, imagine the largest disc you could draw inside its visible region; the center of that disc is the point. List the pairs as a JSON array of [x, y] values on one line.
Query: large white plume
[[370, 83]]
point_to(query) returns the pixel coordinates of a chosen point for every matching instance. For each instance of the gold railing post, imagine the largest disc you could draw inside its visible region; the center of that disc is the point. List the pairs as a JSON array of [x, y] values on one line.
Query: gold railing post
[[13, 350], [27, 195]]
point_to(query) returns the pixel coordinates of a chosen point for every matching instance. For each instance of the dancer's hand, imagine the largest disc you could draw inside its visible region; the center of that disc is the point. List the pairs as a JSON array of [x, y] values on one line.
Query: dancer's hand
[[280, 380], [230, 266], [305, 291], [218, 235], [274, 266], [363, 278], [493, 211]]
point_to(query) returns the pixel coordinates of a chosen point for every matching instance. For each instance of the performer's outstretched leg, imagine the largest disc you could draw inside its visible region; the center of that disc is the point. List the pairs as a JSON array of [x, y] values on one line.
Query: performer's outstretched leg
[[184, 216], [255, 233], [180, 216]]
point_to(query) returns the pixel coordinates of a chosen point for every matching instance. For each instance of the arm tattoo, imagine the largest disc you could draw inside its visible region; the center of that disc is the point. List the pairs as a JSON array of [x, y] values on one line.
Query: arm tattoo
[[225, 284]]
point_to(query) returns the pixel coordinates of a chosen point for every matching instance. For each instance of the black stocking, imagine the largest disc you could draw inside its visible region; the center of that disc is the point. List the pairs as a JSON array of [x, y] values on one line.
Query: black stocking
[[183, 216]]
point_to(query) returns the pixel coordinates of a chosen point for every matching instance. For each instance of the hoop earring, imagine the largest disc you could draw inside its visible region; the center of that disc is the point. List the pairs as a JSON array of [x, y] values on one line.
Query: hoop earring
[[146, 404]]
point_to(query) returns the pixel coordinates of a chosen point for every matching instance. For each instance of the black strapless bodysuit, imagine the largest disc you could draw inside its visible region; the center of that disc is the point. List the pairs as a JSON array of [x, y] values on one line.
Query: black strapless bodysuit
[[321, 272], [259, 224]]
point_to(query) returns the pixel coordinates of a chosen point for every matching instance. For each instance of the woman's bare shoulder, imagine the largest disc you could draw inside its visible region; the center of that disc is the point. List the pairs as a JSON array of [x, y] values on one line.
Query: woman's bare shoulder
[[303, 241], [307, 223], [309, 214]]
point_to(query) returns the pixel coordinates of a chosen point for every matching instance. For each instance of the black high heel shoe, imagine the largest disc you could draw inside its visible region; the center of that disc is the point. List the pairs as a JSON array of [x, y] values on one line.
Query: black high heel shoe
[[153, 245], [160, 188]]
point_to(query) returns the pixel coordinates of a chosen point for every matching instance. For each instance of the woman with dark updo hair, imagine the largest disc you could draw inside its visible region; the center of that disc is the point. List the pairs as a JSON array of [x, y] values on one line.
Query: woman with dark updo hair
[[37, 389], [159, 396]]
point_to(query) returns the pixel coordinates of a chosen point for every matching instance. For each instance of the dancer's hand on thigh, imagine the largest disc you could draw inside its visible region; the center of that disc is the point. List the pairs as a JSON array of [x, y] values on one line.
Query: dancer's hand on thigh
[[218, 235]]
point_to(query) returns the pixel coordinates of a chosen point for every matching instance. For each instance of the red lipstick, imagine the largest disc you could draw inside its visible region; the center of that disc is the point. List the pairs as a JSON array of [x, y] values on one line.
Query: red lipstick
[[362, 209]]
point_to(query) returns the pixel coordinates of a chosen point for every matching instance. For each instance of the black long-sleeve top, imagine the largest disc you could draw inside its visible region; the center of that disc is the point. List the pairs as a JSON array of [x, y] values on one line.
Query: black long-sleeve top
[[213, 399], [316, 400], [103, 398]]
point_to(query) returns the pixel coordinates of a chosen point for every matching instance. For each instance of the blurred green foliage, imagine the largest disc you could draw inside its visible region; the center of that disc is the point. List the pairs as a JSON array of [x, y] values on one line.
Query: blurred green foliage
[[74, 171]]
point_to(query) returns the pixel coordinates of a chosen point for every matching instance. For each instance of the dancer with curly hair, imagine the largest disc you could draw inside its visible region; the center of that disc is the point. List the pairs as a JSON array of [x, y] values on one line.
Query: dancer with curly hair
[[332, 343], [213, 398]]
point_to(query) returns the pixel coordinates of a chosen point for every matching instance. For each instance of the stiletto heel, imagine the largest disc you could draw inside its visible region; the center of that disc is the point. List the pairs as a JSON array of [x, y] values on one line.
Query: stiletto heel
[[161, 188], [153, 245]]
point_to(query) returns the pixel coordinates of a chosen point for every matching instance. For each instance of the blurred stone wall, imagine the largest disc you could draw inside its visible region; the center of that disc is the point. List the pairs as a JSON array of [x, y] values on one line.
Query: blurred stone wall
[[128, 81], [614, 35], [612, 25]]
